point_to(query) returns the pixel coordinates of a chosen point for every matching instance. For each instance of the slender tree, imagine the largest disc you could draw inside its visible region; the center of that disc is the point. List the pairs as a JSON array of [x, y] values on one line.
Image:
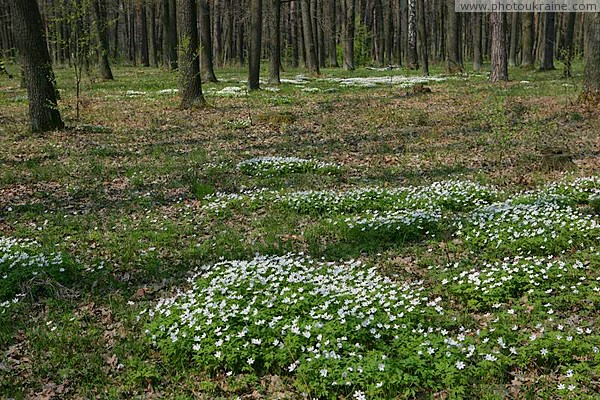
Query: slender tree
[[143, 29], [294, 39], [348, 25], [331, 32], [170, 33], [254, 54], [514, 34], [499, 58], [102, 32], [275, 41], [152, 33], [189, 60], [591, 88], [310, 44], [206, 41], [453, 59], [424, 45], [547, 63], [477, 50], [412, 58], [37, 67], [566, 50]]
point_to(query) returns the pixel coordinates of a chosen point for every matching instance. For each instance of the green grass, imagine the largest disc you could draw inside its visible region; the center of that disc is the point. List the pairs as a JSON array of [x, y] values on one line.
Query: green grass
[[121, 193]]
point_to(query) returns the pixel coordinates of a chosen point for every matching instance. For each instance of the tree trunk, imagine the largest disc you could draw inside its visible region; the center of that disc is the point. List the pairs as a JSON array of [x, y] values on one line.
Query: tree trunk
[[453, 59], [388, 32], [331, 33], [37, 67], [423, 42], [217, 32], [318, 19], [527, 40], [378, 33], [143, 29], [514, 33], [499, 58], [189, 60], [206, 42], [102, 32], [153, 34], [254, 54], [567, 45], [412, 59], [294, 34], [477, 51], [548, 60], [591, 74], [404, 31], [241, 28], [171, 34], [348, 17], [309, 38], [275, 45]]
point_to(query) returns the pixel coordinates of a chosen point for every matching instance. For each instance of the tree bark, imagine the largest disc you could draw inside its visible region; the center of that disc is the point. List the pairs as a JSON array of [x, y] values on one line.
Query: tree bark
[[591, 74], [254, 54], [217, 32], [348, 17], [143, 29], [171, 33], [477, 50], [567, 45], [189, 60], [412, 58], [331, 34], [37, 67], [294, 34], [453, 59], [548, 59], [527, 41], [102, 32], [404, 31], [423, 42], [206, 62], [514, 33], [152, 33], [499, 58], [309, 38], [275, 45]]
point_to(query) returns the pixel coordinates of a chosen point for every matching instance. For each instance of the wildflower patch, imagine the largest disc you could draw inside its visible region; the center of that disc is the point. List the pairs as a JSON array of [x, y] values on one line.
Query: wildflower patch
[[398, 225], [270, 166], [331, 323], [547, 228], [21, 262]]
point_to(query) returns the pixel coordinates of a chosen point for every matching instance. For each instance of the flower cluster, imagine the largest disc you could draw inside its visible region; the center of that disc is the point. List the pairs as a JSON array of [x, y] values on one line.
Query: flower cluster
[[220, 201], [373, 81], [230, 91], [542, 228], [450, 195], [292, 314], [20, 261], [268, 166], [499, 282], [342, 327], [569, 192], [407, 224]]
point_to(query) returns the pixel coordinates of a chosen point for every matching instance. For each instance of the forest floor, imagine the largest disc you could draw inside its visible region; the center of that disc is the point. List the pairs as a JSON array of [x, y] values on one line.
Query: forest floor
[[501, 301]]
